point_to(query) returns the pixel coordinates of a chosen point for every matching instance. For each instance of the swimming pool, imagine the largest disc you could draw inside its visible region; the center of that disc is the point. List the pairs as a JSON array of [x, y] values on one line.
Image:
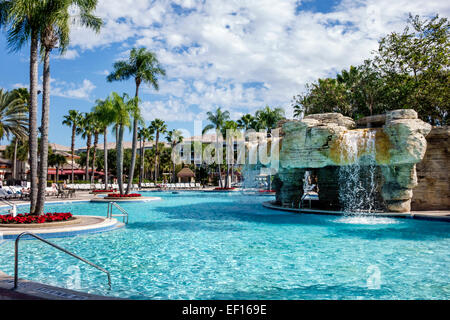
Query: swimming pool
[[195, 245]]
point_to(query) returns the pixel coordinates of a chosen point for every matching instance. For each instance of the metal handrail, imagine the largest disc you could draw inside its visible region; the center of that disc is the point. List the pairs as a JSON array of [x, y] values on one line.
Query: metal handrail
[[109, 213], [16, 257]]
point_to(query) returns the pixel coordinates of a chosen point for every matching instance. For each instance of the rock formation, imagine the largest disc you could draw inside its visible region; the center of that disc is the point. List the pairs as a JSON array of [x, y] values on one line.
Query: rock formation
[[323, 142]]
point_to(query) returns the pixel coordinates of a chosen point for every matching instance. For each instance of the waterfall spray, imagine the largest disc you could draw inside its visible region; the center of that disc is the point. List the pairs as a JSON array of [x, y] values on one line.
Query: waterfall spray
[[357, 175]]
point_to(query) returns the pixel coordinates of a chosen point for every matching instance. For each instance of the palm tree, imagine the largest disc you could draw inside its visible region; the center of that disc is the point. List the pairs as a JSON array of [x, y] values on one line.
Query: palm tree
[[123, 109], [246, 122], [230, 127], [54, 31], [268, 118], [143, 135], [143, 67], [174, 137], [217, 120], [96, 129], [13, 119], [104, 114], [17, 151], [56, 160], [22, 19], [86, 129], [73, 120], [159, 127]]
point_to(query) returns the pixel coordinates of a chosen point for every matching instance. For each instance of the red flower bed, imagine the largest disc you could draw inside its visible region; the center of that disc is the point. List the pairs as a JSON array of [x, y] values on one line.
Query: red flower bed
[[110, 190], [26, 218], [224, 188], [117, 195]]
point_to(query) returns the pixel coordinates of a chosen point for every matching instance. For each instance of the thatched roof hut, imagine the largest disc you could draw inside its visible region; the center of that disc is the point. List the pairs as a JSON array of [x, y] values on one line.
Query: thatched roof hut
[[186, 173]]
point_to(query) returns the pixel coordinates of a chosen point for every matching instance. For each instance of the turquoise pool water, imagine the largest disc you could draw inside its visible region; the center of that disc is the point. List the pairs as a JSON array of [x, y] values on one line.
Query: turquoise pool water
[[227, 246]]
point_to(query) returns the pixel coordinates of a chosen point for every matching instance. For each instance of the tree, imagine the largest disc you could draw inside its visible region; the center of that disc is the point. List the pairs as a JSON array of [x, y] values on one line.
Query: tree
[[73, 120], [123, 109], [159, 127], [56, 160], [22, 20], [325, 95], [143, 135], [13, 119], [268, 118], [86, 130], [174, 137], [103, 112], [217, 120], [143, 67], [415, 64], [246, 122]]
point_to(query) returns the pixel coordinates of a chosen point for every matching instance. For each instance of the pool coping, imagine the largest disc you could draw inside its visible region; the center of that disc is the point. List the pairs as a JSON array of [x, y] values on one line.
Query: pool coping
[[100, 224], [406, 215], [119, 200], [30, 290]]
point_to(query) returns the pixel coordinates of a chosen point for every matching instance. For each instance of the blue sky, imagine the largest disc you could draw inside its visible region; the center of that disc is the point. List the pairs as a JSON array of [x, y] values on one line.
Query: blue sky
[[238, 55]]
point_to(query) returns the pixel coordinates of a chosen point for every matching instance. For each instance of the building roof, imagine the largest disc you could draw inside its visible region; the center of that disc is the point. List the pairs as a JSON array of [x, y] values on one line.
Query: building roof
[[186, 173], [59, 147]]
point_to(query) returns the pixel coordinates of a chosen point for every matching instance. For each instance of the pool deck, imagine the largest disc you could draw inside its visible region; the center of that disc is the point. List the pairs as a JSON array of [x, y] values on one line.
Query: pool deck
[[29, 290], [437, 215]]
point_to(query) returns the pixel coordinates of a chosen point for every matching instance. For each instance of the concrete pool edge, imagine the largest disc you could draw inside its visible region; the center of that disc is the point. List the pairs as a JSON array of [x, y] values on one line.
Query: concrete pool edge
[[442, 216], [88, 225], [30, 290]]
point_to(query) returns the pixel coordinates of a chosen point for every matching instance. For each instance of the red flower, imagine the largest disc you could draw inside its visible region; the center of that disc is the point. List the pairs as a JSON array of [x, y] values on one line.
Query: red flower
[[26, 218]]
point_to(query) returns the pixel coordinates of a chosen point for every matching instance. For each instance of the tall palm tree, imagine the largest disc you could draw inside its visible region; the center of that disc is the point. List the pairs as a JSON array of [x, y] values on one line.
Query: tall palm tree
[[159, 127], [13, 120], [173, 138], [97, 130], [86, 130], [54, 31], [217, 120], [22, 20], [143, 135], [143, 67], [123, 109], [73, 120], [103, 112]]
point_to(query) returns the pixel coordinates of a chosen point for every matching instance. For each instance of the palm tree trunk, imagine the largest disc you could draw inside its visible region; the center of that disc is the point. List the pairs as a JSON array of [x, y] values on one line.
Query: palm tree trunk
[[218, 163], [133, 145], [72, 147], [156, 156], [94, 156], [33, 119], [120, 159], [141, 167], [105, 156], [88, 151], [14, 168], [44, 136]]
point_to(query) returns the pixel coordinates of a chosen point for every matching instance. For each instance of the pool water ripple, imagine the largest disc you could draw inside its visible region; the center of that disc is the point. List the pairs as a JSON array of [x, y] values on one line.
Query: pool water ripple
[[214, 246]]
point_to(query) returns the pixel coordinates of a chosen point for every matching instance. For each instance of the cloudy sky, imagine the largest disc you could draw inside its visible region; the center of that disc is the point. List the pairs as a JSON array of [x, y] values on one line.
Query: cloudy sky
[[236, 54]]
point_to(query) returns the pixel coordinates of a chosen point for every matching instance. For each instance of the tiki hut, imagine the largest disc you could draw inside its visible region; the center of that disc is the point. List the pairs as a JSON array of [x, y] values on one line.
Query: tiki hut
[[186, 175]]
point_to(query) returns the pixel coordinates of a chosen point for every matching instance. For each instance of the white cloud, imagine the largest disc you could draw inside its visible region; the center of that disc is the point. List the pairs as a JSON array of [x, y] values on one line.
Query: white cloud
[[68, 55], [215, 50]]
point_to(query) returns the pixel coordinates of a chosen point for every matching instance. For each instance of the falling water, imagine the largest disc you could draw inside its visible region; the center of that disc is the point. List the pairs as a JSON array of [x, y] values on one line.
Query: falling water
[[357, 179]]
